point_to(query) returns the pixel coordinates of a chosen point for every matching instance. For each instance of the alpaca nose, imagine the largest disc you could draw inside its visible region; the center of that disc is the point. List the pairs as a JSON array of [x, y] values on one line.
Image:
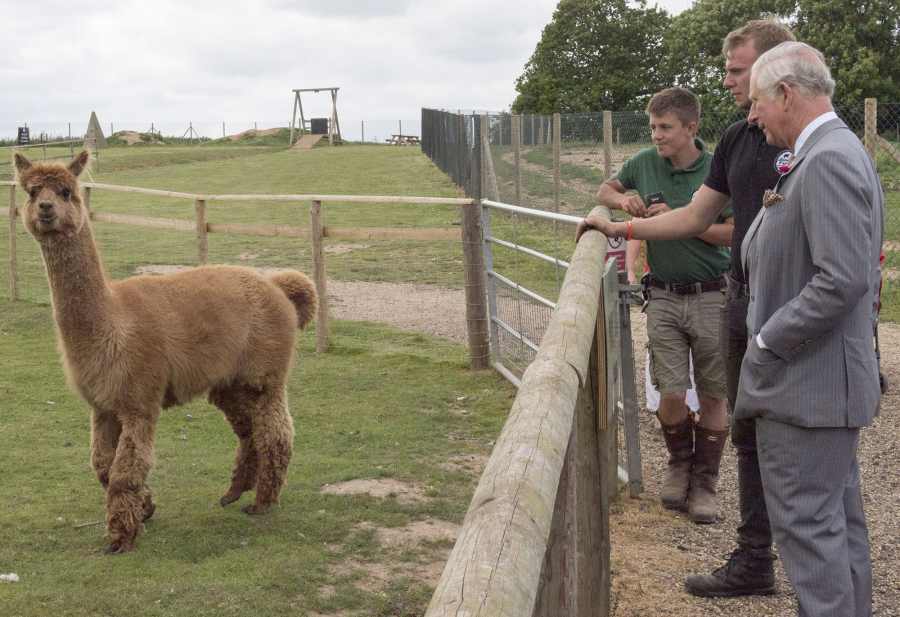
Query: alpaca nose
[[46, 207]]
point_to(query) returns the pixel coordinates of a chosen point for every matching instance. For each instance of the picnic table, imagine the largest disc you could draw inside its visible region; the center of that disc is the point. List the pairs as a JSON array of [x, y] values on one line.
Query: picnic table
[[403, 140]]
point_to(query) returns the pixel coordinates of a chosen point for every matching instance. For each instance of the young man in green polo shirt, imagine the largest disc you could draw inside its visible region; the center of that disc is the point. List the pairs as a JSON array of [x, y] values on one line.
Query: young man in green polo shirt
[[687, 292]]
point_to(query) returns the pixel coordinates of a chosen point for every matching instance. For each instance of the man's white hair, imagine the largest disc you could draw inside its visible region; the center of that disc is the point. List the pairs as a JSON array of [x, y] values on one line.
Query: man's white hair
[[796, 64]]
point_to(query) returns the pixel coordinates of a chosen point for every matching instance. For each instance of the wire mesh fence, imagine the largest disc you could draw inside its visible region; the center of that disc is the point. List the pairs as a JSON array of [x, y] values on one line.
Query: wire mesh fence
[[557, 164]]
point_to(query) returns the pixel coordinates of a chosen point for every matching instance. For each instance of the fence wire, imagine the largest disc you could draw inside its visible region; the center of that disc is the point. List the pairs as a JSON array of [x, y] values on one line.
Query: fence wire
[[531, 166]]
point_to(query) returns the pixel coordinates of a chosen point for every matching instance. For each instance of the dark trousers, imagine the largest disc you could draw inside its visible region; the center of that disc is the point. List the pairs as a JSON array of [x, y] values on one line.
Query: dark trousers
[[754, 531]]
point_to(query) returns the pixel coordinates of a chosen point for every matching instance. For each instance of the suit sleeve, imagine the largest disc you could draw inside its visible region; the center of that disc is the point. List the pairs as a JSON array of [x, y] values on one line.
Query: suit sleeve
[[837, 217]]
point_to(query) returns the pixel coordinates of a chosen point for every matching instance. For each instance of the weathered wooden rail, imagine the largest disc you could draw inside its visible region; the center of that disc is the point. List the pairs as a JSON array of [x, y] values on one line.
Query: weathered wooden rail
[[315, 233], [535, 540]]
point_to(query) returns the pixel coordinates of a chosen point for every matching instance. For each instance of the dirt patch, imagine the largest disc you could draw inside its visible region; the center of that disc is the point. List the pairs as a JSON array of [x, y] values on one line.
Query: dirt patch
[[133, 137], [471, 464], [438, 311], [339, 249], [419, 308], [371, 576], [417, 551], [381, 488], [594, 158], [414, 534], [252, 133]]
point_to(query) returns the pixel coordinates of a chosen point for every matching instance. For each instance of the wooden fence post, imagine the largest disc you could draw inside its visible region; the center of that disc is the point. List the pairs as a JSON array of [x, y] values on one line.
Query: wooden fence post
[[629, 403], [490, 177], [517, 153], [13, 269], [202, 244], [86, 199], [318, 258], [556, 177], [607, 145], [473, 262], [575, 577], [606, 396], [871, 131]]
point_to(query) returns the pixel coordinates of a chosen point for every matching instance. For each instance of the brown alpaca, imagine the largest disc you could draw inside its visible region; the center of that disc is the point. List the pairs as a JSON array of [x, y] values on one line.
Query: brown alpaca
[[134, 346]]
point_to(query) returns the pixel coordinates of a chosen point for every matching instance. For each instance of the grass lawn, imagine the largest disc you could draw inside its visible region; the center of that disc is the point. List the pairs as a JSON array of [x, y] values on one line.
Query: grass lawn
[[366, 170], [380, 403]]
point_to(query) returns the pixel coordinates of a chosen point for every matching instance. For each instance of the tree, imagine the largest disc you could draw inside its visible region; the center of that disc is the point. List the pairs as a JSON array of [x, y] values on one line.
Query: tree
[[594, 55], [861, 43], [693, 46], [605, 54], [859, 39]]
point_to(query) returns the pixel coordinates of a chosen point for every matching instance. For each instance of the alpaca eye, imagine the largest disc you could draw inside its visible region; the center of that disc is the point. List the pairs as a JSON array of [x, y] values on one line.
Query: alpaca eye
[[34, 191], [66, 193]]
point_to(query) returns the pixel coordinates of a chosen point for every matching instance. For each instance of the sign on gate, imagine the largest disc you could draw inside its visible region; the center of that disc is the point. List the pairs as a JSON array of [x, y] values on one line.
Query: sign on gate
[[616, 248], [613, 335]]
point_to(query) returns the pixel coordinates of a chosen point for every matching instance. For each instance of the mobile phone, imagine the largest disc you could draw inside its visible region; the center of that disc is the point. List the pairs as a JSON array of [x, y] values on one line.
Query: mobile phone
[[655, 198]]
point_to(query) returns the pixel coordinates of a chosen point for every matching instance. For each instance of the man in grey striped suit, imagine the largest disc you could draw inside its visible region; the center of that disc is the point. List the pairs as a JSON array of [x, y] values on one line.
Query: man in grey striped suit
[[810, 375]]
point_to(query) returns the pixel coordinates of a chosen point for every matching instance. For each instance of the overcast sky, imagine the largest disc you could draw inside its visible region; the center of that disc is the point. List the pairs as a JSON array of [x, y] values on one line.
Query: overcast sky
[[171, 62]]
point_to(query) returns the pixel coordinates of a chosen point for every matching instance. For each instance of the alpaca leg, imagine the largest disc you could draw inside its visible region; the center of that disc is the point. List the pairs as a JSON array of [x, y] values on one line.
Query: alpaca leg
[[237, 403], [273, 436], [127, 496], [105, 429]]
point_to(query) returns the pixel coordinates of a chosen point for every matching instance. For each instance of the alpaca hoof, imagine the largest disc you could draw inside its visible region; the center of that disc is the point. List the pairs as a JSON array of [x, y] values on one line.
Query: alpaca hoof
[[117, 548], [149, 509], [254, 509], [228, 498]]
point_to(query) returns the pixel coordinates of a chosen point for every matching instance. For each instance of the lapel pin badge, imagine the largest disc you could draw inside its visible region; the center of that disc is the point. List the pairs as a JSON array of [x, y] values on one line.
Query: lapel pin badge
[[770, 198]]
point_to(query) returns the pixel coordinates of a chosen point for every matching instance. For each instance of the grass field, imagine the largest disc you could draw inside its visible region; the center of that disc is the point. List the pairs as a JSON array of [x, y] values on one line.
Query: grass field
[[361, 170], [380, 404], [582, 175]]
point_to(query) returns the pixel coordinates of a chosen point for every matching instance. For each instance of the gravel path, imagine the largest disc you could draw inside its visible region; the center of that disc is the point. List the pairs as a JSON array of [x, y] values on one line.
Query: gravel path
[[654, 549]]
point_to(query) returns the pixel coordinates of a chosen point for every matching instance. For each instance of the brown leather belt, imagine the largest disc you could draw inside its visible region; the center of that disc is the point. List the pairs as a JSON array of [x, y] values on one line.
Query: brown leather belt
[[686, 289]]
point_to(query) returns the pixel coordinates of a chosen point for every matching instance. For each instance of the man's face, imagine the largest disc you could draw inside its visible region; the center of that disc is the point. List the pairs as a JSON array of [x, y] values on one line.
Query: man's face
[[769, 114], [738, 63], [670, 135]]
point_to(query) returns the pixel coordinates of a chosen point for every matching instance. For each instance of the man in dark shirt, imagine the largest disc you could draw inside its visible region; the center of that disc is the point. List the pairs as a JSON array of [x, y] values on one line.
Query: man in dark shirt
[[743, 167]]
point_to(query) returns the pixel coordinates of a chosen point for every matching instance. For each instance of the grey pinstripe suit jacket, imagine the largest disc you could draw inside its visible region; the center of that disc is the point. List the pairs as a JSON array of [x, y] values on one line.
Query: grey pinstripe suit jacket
[[813, 271]]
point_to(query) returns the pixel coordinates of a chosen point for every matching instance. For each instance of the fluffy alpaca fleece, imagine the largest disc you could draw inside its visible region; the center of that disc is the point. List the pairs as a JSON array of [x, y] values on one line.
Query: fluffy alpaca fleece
[[133, 347]]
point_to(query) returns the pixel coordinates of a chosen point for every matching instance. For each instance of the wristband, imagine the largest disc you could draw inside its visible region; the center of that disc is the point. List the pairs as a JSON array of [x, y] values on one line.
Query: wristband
[[628, 230]]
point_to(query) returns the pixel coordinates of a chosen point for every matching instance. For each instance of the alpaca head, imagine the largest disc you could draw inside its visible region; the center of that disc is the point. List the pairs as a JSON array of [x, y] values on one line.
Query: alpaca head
[[54, 207]]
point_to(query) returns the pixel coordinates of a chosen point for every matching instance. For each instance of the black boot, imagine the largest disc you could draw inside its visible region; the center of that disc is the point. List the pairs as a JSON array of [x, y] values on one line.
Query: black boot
[[746, 573]]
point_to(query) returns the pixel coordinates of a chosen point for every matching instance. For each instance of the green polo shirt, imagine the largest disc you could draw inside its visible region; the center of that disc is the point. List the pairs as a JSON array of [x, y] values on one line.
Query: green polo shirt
[[676, 261]]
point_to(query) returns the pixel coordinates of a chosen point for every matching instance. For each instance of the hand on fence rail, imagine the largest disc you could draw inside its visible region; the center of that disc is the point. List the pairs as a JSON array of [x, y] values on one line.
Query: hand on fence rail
[[608, 228]]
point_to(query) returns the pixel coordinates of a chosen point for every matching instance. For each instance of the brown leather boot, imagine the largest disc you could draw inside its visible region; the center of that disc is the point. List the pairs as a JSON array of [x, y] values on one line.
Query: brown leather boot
[[703, 506], [680, 443]]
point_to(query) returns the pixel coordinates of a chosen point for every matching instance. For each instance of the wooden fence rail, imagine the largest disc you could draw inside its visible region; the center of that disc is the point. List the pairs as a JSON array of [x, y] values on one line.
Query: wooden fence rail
[[315, 233], [535, 540]]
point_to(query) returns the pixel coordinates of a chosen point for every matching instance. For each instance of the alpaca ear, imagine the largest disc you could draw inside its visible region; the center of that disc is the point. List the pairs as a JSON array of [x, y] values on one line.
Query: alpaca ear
[[79, 163], [22, 164]]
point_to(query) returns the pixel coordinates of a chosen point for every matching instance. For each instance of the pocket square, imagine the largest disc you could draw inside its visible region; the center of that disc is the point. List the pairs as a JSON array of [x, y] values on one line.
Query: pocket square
[[770, 198]]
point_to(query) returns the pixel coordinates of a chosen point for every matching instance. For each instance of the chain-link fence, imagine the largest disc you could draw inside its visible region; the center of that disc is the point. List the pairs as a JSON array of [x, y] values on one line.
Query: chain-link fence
[[557, 163]]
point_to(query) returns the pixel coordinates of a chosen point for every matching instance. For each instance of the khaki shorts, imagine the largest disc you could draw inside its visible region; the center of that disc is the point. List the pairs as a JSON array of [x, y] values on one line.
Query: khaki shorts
[[678, 326]]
